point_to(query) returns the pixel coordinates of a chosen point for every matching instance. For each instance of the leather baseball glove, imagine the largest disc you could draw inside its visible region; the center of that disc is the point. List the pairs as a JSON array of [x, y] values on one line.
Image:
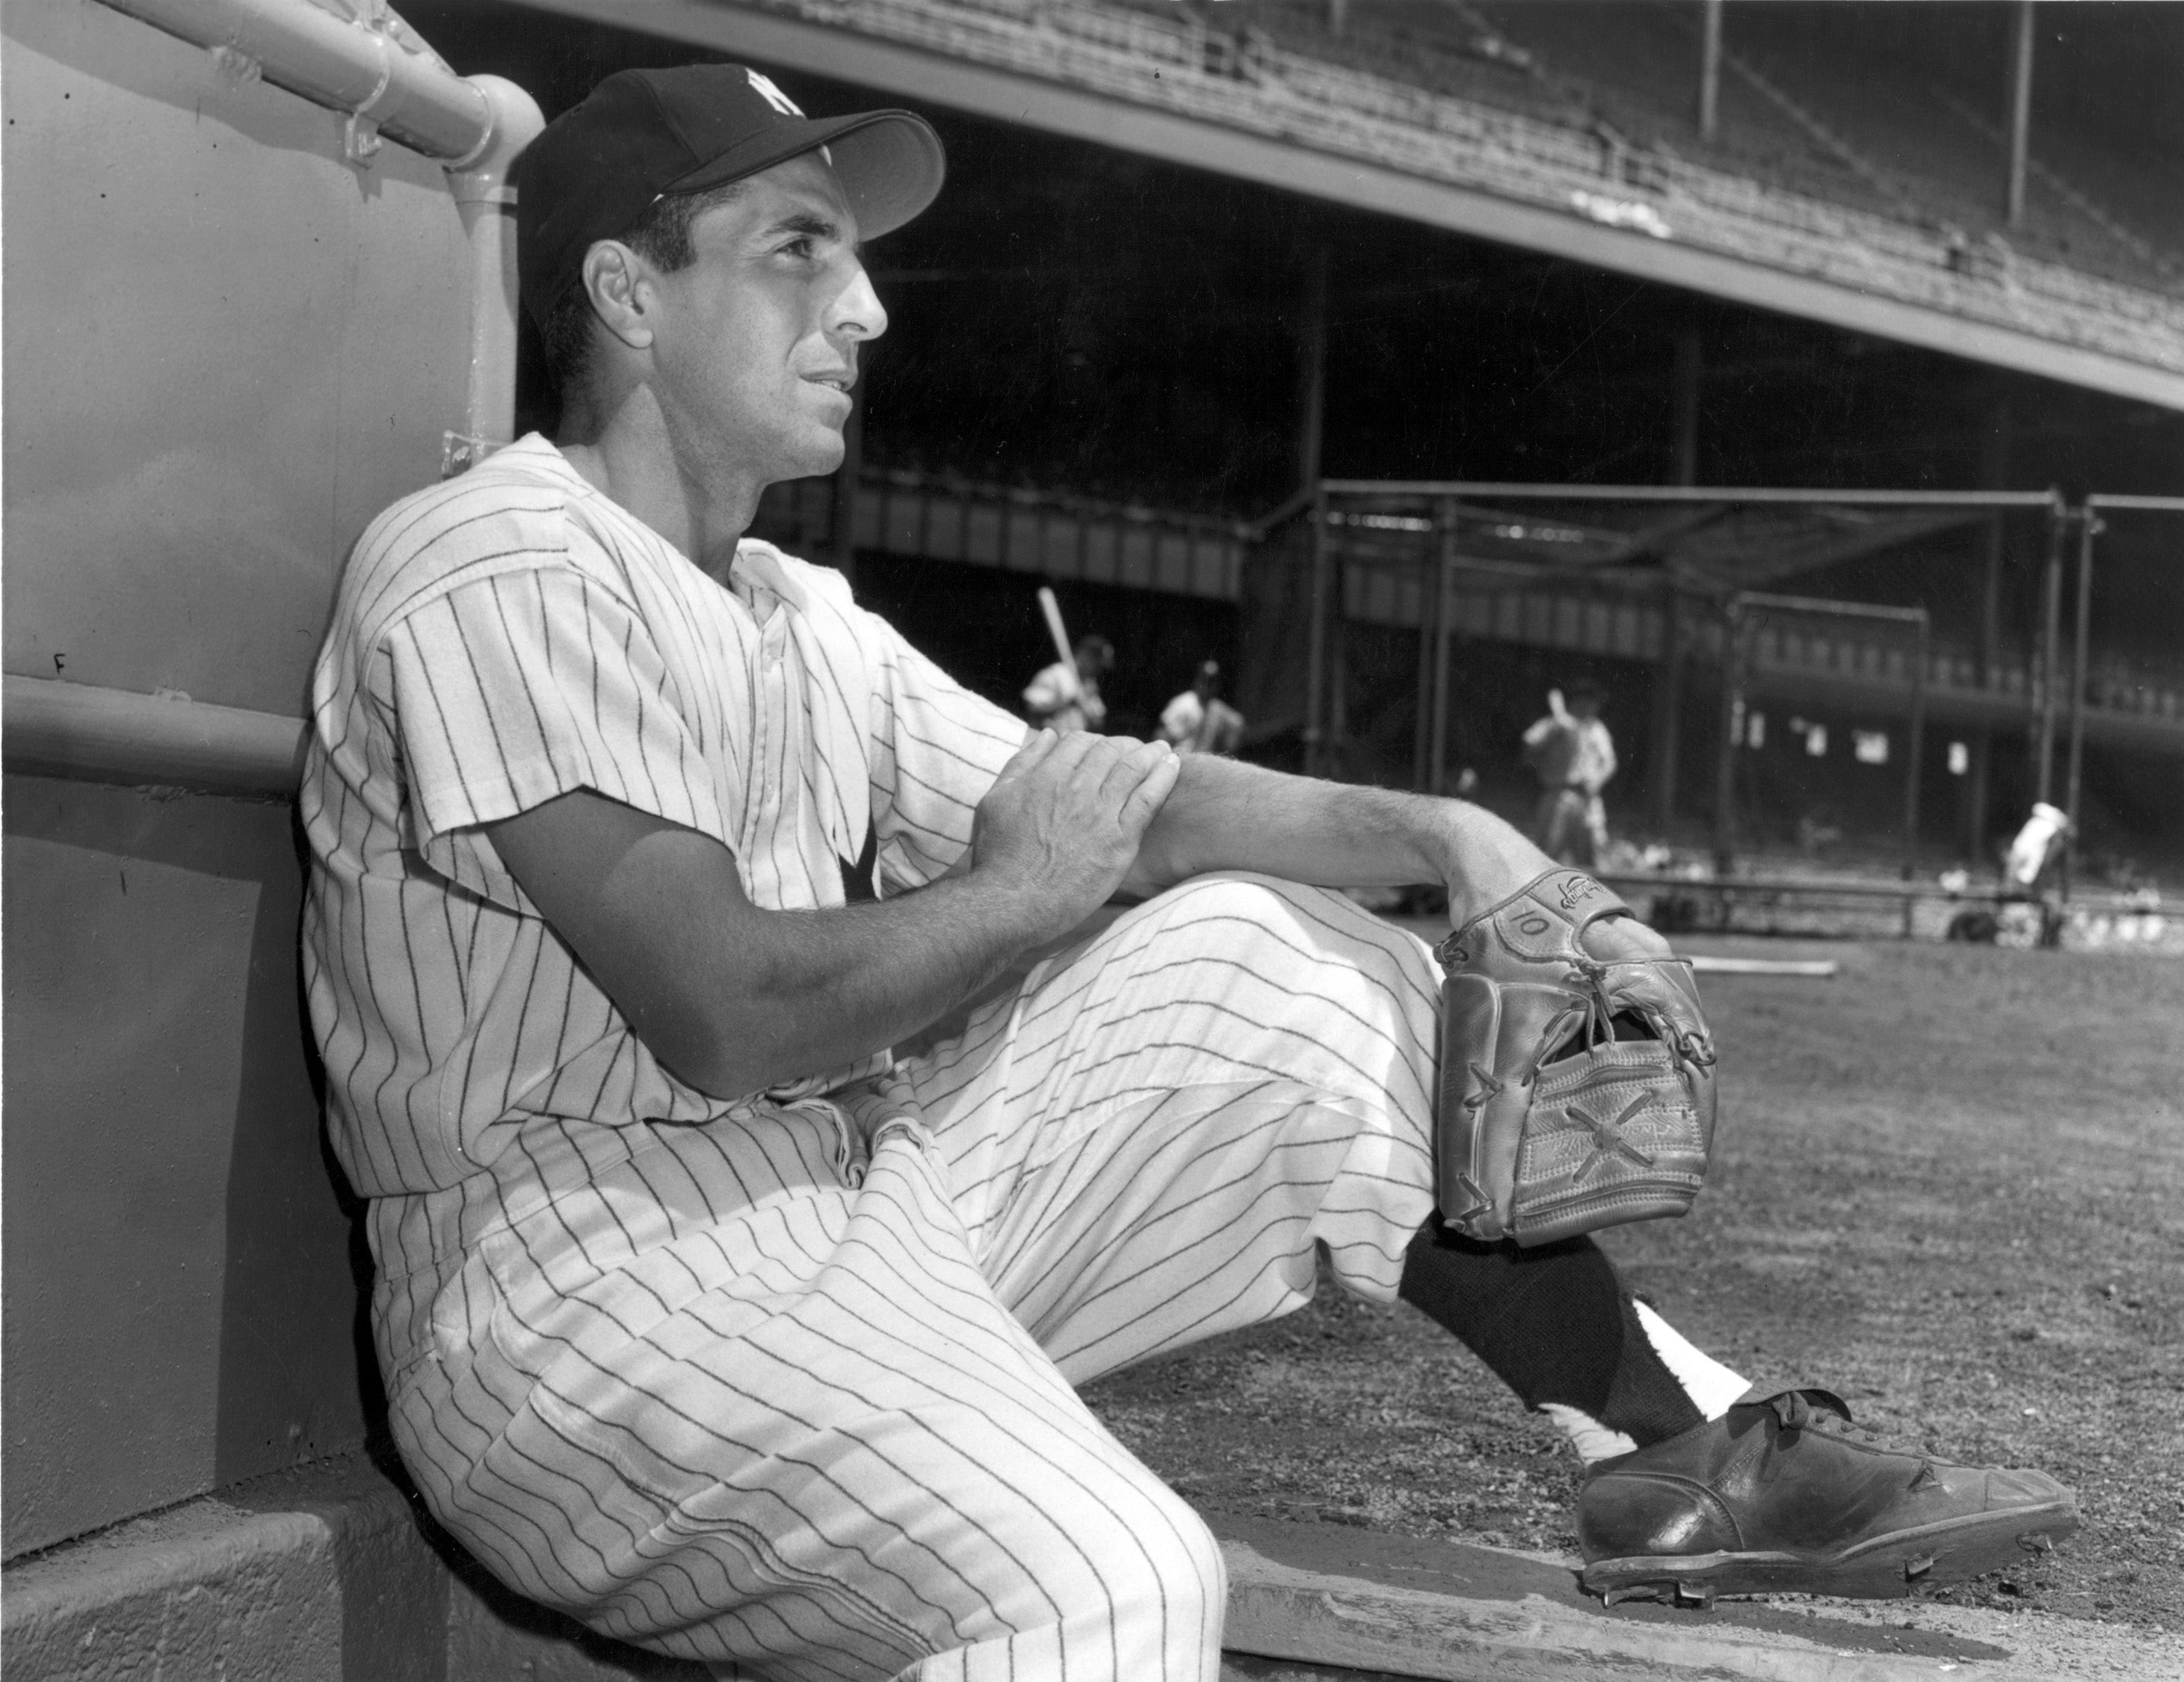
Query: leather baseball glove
[[1576, 1071]]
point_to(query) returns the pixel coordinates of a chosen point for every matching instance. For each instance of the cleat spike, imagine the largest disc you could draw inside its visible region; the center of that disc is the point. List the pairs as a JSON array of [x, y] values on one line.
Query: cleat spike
[[1635, 1591], [2037, 1541], [1913, 1569]]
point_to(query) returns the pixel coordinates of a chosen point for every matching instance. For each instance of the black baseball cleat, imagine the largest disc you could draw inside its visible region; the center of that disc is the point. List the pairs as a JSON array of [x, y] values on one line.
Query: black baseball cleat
[[1763, 1501]]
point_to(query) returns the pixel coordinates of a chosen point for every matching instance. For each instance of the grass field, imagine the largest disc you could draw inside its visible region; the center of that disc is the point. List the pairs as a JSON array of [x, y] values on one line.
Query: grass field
[[1949, 1185]]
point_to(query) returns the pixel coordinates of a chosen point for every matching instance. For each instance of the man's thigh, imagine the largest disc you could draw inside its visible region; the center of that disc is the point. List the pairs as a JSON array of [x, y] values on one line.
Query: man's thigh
[[798, 1433], [1149, 1141]]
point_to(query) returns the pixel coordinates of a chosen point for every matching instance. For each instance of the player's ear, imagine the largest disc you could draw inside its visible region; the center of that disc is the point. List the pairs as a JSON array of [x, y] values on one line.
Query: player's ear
[[621, 291]]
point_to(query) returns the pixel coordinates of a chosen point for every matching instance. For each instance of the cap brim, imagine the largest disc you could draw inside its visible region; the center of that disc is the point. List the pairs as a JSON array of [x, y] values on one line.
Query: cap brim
[[890, 164]]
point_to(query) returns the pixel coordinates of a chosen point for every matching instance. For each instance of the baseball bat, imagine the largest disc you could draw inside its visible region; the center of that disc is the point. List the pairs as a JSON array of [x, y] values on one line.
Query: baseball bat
[[1052, 610]]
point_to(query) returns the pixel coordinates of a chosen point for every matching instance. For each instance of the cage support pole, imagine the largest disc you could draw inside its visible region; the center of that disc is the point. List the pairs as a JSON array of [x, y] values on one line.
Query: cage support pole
[[2089, 527], [1315, 670], [2020, 112], [1311, 405], [1725, 768], [1710, 71], [1916, 753], [1994, 473], [1683, 471], [1668, 711], [1444, 582], [1422, 705], [2050, 654]]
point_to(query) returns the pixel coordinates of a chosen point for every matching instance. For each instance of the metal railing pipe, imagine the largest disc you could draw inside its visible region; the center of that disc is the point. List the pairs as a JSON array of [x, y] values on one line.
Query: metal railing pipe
[[475, 127], [80, 730], [345, 66], [487, 204]]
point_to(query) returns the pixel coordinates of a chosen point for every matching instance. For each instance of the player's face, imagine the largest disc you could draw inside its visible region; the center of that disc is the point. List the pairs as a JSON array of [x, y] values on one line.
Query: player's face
[[757, 347]]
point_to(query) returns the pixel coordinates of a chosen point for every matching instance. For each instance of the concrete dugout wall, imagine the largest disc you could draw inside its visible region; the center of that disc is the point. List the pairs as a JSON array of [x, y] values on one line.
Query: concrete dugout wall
[[227, 349]]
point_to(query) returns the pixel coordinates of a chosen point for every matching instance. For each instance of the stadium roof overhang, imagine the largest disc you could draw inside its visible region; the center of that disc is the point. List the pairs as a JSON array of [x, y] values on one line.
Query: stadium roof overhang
[[1921, 304]]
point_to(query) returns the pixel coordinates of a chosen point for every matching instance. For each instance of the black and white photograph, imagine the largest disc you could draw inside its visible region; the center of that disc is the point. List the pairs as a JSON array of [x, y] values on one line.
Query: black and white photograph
[[1092, 840]]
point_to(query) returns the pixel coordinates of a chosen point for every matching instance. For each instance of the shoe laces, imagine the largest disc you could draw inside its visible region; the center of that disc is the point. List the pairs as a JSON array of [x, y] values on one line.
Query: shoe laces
[[1800, 1410]]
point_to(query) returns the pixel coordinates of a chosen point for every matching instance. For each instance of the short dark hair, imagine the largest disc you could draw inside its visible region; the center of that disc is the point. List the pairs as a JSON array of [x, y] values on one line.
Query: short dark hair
[[661, 237]]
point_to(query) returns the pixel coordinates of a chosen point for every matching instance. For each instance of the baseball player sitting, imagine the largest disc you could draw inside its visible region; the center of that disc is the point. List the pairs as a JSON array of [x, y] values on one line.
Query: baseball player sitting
[[637, 845]]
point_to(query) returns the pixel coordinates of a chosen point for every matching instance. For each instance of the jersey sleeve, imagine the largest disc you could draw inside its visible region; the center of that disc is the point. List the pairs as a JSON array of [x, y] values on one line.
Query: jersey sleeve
[[515, 688], [937, 749]]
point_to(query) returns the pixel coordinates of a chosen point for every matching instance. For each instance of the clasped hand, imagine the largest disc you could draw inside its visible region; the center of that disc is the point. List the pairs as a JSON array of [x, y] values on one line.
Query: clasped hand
[[1062, 825]]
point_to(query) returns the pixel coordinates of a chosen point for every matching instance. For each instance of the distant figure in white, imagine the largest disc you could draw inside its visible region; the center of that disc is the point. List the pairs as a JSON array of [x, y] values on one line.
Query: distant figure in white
[[1198, 720], [1066, 695], [1573, 757], [2037, 851]]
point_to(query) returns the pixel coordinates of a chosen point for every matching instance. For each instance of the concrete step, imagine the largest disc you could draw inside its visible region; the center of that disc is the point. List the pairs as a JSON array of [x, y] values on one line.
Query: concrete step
[[325, 1574], [331, 1573]]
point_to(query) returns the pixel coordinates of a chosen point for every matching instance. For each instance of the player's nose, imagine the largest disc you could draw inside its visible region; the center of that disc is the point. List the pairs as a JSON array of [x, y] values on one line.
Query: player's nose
[[856, 312]]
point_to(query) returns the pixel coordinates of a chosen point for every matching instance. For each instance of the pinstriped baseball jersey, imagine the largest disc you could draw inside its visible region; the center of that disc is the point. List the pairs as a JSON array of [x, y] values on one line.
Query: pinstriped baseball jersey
[[714, 1377], [513, 635]]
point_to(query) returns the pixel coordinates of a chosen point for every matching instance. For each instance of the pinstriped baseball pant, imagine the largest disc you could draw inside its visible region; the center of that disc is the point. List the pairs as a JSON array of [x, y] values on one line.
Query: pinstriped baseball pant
[[742, 1393]]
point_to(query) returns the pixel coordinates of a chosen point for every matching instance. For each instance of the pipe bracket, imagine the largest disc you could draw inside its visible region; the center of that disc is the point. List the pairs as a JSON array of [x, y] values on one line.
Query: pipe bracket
[[360, 141], [459, 452], [237, 67]]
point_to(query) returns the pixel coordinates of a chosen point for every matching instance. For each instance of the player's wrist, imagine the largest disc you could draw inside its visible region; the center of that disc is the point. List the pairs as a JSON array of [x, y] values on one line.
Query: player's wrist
[[1486, 861]]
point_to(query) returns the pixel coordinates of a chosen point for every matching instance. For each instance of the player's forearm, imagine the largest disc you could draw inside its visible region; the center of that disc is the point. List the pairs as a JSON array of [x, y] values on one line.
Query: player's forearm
[[734, 998], [1225, 816], [804, 992]]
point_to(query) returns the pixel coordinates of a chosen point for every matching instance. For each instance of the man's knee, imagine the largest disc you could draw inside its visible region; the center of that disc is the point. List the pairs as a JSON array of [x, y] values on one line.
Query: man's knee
[[1318, 920], [1164, 1595]]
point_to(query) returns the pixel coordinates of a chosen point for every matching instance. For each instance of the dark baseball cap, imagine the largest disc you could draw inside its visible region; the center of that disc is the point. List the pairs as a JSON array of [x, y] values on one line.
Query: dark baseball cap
[[641, 134]]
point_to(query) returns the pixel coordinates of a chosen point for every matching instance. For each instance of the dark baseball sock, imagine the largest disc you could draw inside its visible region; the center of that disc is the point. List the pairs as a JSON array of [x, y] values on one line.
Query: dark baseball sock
[[1554, 1323]]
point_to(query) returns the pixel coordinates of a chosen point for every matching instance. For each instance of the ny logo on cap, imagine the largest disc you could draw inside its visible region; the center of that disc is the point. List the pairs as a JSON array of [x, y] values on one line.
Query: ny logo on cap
[[772, 95]]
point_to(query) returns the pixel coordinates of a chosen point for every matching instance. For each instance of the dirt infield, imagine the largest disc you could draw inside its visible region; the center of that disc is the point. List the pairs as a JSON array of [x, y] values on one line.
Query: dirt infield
[[1950, 1186]]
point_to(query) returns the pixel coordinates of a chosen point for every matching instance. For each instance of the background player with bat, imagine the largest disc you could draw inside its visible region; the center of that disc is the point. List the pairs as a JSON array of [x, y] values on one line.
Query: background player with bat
[[1066, 695], [710, 1320]]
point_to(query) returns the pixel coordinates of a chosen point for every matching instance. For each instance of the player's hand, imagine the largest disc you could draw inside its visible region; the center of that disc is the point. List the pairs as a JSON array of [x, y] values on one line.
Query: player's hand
[[1061, 827]]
